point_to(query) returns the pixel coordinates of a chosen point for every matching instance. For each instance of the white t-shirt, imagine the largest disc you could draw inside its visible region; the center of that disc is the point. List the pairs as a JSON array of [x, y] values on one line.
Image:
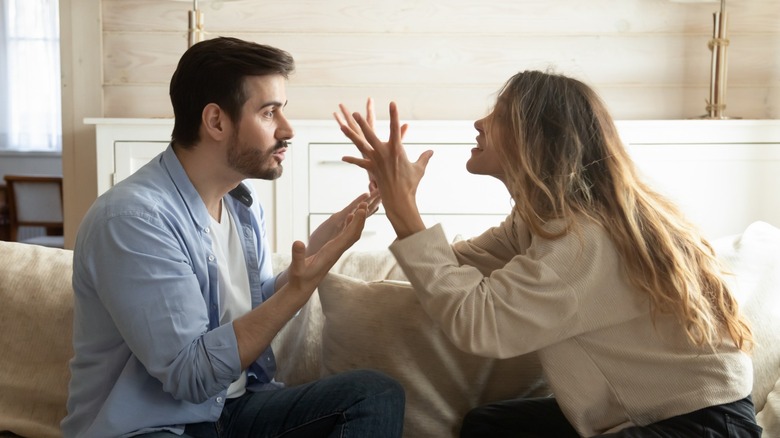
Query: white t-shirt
[[234, 296]]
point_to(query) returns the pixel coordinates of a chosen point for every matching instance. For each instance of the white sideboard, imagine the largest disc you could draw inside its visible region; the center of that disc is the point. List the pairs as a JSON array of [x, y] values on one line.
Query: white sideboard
[[724, 174]]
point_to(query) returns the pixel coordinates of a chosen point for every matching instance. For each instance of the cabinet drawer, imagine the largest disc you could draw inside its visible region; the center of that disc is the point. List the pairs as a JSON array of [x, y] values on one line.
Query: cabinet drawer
[[446, 188], [379, 234]]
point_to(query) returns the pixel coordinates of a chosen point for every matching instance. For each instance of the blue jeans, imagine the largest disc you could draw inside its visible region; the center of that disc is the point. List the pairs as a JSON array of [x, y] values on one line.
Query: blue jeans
[[356, 404], [542, 417]]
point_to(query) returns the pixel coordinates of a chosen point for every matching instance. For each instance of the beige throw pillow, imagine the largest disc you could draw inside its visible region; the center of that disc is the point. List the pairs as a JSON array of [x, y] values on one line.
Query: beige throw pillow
[[36, 324], [381, 325]]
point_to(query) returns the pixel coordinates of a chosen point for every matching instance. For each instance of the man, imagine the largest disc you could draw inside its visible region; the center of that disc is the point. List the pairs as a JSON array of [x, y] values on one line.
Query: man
[[175, 302]]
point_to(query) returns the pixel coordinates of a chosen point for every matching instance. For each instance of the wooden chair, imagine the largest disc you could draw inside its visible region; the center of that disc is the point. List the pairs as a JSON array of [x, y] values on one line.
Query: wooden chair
[[36, 201]]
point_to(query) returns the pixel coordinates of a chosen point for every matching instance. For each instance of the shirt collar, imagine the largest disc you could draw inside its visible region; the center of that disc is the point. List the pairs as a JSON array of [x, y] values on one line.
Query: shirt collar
[[191, 197]]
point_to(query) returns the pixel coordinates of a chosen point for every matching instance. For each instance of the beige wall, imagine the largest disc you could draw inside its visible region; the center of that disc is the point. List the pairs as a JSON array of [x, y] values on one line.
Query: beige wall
[[439, 59]]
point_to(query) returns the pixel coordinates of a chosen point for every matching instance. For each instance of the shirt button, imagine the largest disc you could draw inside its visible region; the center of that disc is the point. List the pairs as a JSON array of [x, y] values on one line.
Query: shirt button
[[211, 258], [219, 400], [207, 230]]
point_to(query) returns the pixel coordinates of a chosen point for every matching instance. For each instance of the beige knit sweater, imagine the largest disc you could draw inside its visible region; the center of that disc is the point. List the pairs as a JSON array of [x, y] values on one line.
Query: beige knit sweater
[[507, 292]]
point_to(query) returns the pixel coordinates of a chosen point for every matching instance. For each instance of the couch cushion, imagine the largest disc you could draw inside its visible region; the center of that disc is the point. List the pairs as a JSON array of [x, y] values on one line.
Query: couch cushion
[[298, 347], [369, 266], [36, 326], [381, 325]]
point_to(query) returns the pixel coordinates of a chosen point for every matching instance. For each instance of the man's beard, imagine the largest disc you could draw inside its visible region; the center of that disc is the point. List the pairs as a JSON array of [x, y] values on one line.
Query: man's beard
[[253, 163]]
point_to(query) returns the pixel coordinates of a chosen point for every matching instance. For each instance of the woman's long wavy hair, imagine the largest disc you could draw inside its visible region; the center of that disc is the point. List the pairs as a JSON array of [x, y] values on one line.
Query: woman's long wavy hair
[[564, 159]]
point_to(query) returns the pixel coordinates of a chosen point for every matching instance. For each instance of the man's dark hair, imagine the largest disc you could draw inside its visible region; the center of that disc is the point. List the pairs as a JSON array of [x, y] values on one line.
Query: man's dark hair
[[213, 71]]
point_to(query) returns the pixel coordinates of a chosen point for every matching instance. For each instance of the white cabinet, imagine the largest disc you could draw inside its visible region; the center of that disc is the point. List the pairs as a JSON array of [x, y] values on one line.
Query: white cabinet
[[724, 174], [123, 144], [130, 156]]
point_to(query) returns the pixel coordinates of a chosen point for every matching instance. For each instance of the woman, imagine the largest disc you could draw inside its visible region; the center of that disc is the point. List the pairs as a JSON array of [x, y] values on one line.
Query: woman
[[620, 296]]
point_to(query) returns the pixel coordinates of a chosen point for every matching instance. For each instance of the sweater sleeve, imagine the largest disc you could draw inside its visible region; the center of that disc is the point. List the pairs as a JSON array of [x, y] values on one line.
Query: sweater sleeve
[[495, 247], [545, 291]]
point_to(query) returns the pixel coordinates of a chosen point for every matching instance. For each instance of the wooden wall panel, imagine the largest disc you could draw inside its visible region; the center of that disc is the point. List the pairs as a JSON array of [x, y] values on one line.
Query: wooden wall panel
[[81, 97], [561, 17], [460, 60], [445, 60], [417, 103]]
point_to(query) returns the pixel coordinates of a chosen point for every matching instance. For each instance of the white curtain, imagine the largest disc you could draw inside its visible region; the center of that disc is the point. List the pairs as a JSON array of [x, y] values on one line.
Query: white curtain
[[30, 108]]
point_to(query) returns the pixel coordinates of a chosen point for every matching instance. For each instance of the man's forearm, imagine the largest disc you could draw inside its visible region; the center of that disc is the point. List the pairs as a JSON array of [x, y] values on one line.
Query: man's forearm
[[255, 330]]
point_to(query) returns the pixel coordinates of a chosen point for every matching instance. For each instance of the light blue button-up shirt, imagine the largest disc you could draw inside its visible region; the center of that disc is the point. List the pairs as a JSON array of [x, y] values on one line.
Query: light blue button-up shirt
[[149, 351]]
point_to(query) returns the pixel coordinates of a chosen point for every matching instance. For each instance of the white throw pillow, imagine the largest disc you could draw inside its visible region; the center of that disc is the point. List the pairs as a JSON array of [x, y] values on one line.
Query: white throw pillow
[[380, 325], [753, 258], [769, 417]]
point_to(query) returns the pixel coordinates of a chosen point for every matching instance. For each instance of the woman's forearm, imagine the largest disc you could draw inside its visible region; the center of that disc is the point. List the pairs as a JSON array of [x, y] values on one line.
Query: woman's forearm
[[404, 217]]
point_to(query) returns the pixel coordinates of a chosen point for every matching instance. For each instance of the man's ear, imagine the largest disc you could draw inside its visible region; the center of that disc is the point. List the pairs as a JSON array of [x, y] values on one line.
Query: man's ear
[[215, 122]]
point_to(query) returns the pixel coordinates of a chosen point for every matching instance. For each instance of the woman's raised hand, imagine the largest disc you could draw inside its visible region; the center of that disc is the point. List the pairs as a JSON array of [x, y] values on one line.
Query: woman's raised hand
[[396, 177]]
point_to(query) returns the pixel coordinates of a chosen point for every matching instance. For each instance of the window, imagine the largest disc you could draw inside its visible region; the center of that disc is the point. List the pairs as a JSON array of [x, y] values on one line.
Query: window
[[30, 109]]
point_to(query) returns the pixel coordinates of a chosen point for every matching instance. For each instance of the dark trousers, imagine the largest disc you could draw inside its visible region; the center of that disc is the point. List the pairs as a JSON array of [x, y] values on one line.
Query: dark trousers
[[353, 404], [542, 418]]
